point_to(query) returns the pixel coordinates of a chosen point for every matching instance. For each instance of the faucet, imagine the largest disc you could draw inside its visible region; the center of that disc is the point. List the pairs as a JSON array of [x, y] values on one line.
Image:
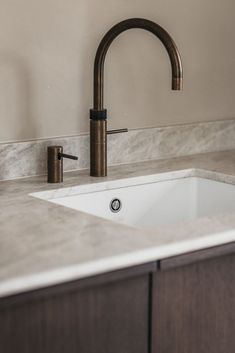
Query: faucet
[[55, 156], [98, 115]]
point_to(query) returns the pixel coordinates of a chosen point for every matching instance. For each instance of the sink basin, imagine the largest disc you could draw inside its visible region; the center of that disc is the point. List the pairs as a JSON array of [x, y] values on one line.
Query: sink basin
[[152, 204]]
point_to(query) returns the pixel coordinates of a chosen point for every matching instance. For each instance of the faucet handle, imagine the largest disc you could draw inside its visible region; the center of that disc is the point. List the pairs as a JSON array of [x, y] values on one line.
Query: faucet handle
[[55, 157], [117, 131], [69, 156]]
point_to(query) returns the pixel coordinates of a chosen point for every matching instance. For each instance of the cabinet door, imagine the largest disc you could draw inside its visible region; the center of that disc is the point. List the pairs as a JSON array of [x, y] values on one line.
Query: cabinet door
[[110, 317], [194, 304]]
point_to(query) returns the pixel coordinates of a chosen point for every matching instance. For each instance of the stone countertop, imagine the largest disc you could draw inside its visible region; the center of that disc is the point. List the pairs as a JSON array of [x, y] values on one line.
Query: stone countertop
[[42, 243]]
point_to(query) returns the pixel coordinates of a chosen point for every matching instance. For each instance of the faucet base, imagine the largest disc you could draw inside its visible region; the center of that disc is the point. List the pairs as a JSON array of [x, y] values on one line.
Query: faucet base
[[98, 148]]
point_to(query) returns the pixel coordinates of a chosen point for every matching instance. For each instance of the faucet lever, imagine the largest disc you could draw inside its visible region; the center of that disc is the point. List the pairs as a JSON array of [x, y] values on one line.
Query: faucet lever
[[116, 131], [69, 156]]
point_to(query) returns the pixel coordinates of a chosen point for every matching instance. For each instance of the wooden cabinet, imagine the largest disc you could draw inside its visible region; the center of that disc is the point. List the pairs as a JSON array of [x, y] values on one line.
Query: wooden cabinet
[[184, 304], [194, 303], [104, 314]]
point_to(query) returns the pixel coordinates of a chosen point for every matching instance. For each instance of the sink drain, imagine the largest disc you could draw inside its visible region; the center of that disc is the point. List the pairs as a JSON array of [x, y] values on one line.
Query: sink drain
[[115, 205]]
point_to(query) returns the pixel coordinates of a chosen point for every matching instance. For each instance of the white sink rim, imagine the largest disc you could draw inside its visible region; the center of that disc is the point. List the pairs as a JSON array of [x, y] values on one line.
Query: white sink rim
[[95, 187]]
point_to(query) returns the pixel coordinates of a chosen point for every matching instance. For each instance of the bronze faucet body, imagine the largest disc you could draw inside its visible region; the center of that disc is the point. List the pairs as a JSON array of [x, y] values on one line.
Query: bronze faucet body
[[98, 115], [55, 157]]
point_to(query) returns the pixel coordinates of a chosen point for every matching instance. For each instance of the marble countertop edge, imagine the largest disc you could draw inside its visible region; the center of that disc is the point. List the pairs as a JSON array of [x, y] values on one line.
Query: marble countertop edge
[[118, 262]]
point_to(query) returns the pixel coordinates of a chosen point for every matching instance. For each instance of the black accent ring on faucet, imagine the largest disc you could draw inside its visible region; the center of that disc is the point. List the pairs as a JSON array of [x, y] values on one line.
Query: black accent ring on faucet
[[98, 114]]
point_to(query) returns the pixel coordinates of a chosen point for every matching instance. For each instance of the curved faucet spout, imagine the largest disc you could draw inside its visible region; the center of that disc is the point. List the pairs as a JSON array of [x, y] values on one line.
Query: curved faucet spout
[[98, 115], [158, 31]]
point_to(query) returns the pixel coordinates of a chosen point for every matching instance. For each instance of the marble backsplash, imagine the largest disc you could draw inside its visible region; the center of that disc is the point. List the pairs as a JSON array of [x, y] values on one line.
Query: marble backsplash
[[21, 159]]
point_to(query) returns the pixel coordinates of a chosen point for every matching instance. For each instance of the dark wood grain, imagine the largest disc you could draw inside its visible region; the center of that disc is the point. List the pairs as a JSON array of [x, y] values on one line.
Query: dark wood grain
[[110, 316], [89, 282], [194, 307], [197, 256]]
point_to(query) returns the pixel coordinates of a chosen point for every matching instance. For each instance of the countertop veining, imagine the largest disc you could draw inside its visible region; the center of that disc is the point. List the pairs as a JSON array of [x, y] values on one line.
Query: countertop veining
[[43, 244]]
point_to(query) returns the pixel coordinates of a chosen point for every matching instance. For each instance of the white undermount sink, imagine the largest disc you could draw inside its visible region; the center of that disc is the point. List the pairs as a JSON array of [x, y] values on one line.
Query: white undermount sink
[[150, 204]]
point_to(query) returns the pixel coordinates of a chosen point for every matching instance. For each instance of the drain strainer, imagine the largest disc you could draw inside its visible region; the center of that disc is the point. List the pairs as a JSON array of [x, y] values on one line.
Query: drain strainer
[[115, 205]]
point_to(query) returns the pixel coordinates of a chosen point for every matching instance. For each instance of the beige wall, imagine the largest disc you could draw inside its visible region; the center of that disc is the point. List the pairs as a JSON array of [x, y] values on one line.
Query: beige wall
[[47, 49]]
